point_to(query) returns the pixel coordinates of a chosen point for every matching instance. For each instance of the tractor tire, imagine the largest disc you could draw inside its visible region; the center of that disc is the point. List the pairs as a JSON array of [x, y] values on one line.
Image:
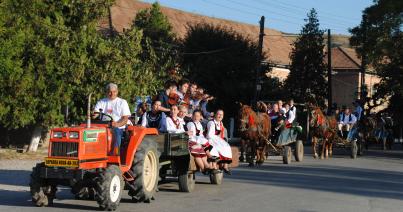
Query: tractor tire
[[42, 194], [146, 171], [287, 155], [216, 178], [109, 187], [354, 149], [299, 151], [187, 182]]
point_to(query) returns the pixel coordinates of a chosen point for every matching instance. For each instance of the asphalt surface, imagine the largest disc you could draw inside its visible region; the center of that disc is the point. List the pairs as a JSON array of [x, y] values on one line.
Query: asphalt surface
[[373, 182]]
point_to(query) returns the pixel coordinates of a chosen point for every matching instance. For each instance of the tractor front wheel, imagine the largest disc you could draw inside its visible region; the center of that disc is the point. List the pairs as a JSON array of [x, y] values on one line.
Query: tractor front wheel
[[109, 187], [42, 193]]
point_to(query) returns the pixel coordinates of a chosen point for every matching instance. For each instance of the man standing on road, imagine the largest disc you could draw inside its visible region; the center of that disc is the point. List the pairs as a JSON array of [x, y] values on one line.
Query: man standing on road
[[118, 109]]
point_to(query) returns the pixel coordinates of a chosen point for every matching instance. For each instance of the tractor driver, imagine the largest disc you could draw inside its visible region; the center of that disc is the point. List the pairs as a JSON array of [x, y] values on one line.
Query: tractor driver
[[118, 109]]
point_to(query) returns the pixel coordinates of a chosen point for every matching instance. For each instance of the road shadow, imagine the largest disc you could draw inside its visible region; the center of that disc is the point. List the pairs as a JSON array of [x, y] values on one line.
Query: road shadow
[[355, 181], [14, 177]]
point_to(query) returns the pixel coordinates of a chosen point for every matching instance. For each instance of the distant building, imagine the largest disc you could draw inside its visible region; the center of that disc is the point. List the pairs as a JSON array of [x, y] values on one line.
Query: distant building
[[346, 85]]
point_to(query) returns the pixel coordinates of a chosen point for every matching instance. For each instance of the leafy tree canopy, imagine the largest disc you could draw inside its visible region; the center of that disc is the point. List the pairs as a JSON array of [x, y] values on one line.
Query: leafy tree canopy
[[379, 39], [308, 71], [223, 62]]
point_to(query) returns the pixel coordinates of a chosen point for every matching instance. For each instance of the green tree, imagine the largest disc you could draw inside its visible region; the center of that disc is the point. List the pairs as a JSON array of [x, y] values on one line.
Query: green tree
[[53, 56], [379, 40], [308, 71], [159, 41], [223, 62]]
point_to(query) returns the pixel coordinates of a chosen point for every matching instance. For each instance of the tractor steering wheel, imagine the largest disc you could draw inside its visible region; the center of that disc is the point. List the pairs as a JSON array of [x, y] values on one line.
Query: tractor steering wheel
[[100, 117]]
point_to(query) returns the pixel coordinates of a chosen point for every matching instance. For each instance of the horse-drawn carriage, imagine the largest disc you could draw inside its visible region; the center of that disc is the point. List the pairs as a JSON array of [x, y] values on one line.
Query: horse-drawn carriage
[[323, 131], [258, 141]]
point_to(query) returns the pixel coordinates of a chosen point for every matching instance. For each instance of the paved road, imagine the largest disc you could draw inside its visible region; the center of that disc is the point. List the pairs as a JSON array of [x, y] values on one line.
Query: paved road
[[370, 183]]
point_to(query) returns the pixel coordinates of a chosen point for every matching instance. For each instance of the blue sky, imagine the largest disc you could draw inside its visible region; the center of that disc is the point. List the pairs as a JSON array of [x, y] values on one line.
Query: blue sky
[[284, 15]]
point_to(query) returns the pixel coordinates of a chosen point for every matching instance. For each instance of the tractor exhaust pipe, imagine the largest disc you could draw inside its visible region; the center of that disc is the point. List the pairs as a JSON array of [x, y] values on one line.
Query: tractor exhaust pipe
[[89, 111]]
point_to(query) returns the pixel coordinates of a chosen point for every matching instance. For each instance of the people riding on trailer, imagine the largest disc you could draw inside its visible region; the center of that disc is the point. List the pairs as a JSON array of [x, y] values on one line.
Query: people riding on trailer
[[199, 146], [118, 109], [154, 118], [216, 137], [174, 124]]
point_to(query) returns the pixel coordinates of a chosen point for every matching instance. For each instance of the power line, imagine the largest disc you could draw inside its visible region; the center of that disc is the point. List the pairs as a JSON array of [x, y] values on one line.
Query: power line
[[280, 14], [248, 12]]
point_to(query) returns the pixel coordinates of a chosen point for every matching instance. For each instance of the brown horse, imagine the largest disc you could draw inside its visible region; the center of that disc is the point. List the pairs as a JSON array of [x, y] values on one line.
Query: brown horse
[[324, 128], [254, 129]]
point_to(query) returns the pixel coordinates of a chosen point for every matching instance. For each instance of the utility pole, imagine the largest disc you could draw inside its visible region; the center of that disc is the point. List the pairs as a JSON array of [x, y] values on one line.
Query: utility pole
[[329, 72], [111, 33], [258, 86], [363, 62]]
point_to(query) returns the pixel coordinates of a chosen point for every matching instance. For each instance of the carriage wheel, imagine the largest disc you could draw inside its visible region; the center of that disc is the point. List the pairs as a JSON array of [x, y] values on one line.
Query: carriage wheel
[[299, 151], [287, 155], [354, 149], [360, 147]]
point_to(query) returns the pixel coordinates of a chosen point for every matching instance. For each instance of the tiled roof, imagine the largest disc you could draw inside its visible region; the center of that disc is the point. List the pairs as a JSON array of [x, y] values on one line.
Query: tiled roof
[[344, 58], [277, 46]]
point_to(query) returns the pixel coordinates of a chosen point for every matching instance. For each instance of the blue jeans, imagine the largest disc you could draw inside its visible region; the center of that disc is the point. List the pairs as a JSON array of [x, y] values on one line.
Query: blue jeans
[[117, 137], [352, 134]]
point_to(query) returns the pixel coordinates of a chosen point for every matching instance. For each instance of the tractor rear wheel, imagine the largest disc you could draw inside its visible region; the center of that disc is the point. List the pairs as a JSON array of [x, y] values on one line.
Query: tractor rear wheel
[[146, 171], [41, 192], [109, 187], [187, 182]]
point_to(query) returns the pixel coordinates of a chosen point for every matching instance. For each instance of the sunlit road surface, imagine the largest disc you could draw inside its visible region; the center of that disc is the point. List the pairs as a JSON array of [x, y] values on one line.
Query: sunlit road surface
[[373, 182]]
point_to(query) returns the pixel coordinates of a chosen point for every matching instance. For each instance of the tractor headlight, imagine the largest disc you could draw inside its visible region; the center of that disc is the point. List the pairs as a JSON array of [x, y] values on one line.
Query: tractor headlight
[[73, 135], [58, 134]]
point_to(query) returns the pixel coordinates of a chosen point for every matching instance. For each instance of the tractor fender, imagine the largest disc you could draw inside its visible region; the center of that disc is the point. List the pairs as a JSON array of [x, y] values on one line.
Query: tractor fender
[[137, 134]]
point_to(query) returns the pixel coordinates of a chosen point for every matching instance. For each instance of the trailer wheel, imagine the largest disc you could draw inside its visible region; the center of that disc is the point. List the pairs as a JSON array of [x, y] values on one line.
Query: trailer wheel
[[187, 182], [42, 194], [216, 178], [146, 170], [354, 149], [299, 151], [287, 155]]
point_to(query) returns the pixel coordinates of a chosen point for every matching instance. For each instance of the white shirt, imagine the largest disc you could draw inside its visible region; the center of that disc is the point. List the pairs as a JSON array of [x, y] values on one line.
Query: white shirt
[[115, 108], [171, 126], [211, 128], [192, 128], [291, 116]]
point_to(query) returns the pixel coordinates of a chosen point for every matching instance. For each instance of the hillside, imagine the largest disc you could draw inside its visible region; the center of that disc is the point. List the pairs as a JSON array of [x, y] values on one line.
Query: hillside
[[276, 44]]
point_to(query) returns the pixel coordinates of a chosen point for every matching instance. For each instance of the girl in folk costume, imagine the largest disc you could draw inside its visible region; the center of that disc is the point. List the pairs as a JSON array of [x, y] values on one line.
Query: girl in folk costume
[[199, 146], [215, 135], [174, 123]]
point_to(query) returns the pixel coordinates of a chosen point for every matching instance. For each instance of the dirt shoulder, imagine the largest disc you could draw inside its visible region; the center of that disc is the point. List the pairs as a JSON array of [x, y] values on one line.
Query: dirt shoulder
[[12, 154]]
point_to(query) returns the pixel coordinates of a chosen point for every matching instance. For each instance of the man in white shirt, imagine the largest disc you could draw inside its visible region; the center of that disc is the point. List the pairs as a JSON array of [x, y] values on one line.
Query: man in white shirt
[[347, 120], [118, 109]]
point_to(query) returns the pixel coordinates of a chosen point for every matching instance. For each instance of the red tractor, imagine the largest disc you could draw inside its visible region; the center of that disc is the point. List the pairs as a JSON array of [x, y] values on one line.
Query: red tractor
[[78, 157]]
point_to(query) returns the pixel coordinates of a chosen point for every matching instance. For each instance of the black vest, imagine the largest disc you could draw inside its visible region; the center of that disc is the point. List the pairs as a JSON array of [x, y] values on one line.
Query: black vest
[[153, 120]]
